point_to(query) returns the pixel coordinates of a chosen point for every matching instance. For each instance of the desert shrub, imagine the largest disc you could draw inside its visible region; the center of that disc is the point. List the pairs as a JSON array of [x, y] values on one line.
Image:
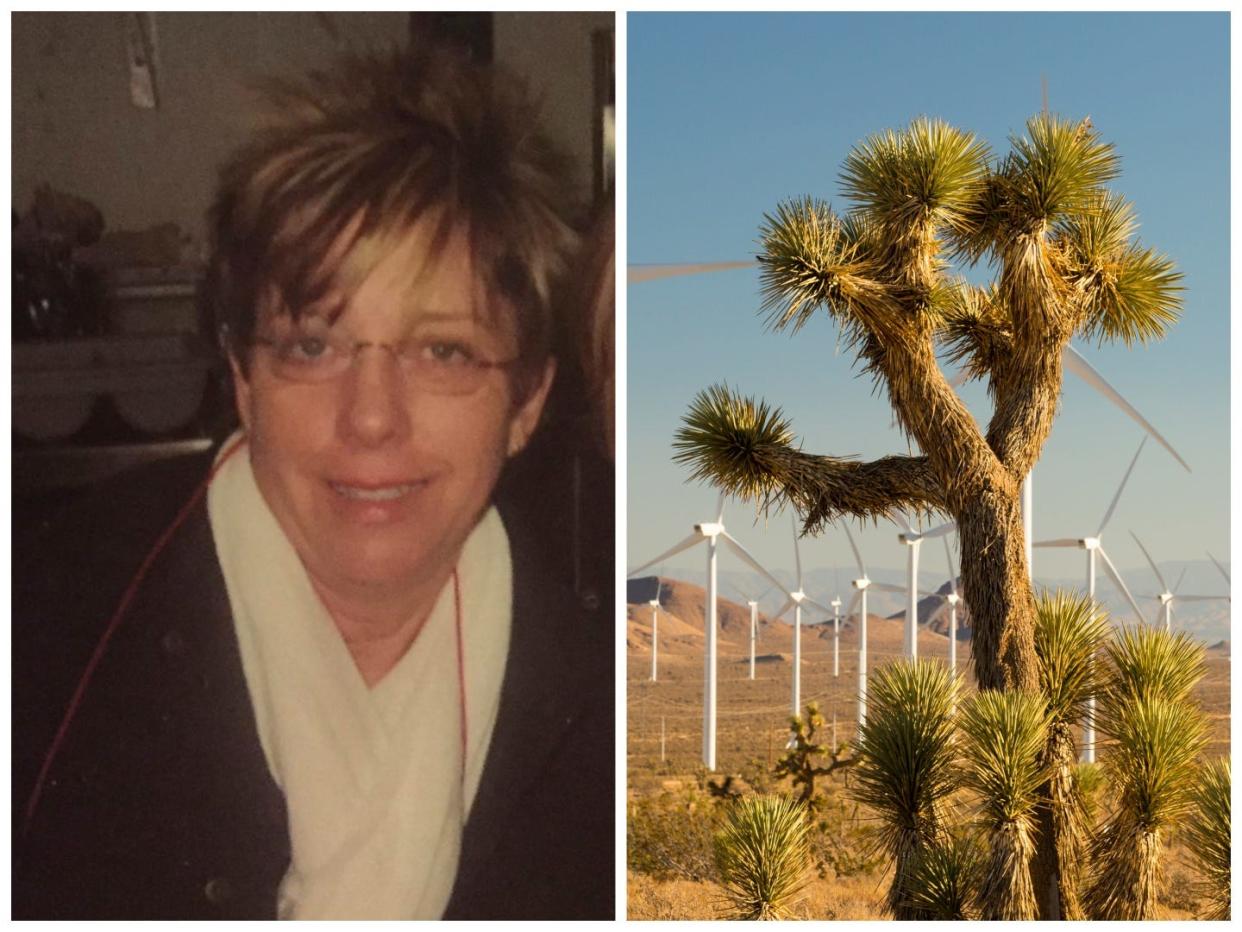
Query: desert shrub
[[670, 836], [762, 854]]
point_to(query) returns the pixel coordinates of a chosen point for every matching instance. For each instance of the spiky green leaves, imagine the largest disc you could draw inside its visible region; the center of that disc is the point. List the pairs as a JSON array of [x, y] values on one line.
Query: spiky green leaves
[[1057, 168], [1145, 661], [1122, 290], [1005, 734], [944, 878], [762, 853], [810, 259], [1070, 629], [927, 175], [725, 439], [1208, 836]]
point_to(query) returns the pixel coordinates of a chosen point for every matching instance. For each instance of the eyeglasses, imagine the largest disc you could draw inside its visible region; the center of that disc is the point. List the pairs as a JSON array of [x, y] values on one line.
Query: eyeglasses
[[443, 367]]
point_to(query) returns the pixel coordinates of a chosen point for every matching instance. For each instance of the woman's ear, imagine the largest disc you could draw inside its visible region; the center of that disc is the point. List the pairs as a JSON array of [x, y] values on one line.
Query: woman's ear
[[241, 392], [526, 415]]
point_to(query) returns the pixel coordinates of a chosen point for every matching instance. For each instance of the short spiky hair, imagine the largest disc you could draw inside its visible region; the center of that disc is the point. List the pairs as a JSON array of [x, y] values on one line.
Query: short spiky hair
[[356, 156]]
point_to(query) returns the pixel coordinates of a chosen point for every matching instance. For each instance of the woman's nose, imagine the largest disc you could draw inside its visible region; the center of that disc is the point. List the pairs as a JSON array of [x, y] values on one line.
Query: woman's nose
[[375, 408]]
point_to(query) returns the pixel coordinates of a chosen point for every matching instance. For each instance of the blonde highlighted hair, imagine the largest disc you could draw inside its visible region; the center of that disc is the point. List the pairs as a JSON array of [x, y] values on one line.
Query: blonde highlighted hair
[[356, 156]]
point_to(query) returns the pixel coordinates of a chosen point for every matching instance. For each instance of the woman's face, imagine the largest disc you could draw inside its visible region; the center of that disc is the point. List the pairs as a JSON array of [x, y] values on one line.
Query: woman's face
[[375, 480]]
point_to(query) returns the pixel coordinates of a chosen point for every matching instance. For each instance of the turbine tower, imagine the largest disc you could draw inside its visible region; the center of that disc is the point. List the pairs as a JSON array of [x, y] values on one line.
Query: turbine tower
[[1093, 545], [1168, 595], [796, 598], [655, 630], [710, 532], [754, 622], [836, 635]]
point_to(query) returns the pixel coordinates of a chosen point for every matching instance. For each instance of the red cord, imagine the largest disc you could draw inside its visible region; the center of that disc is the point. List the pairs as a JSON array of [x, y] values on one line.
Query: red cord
[[113, 624], [461, 675]]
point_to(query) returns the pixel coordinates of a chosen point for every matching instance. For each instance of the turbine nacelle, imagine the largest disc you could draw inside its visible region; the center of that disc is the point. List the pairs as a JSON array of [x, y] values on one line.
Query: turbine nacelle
[[710, 528], [1089, 543], [860, 584]]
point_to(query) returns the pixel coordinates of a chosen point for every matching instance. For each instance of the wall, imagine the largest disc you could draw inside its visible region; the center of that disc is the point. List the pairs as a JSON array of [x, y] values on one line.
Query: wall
[[73, 124]]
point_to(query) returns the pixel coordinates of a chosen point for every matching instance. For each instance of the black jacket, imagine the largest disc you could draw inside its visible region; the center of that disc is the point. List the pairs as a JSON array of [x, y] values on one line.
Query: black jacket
[[159, 803]]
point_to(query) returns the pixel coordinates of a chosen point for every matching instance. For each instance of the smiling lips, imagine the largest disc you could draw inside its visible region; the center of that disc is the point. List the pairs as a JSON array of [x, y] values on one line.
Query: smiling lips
[[377, 493]]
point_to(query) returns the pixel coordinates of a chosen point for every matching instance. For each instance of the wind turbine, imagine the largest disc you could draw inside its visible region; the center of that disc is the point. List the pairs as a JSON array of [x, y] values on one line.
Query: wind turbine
[[655, 629], [913, 540], [1093, 545], [796, 598], [711, 532], [862, 584], [951, 599], [754, 622], [1168, 595]]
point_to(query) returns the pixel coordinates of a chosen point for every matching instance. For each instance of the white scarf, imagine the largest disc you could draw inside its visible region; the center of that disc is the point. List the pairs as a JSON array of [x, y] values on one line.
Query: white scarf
[[373, 779]]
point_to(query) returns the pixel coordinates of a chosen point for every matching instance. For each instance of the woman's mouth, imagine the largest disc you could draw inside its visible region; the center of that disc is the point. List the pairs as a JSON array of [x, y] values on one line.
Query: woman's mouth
[[374, 494]]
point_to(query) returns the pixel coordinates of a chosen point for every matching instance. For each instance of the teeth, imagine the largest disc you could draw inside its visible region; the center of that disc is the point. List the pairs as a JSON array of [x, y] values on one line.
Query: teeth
[[372, 495]]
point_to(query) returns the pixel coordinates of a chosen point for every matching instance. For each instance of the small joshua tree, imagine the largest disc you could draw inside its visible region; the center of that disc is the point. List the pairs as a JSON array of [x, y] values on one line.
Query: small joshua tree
[[1157, 734], [1005, 739], [906, 760], [799, 762], [762, 853], [1070, 629]]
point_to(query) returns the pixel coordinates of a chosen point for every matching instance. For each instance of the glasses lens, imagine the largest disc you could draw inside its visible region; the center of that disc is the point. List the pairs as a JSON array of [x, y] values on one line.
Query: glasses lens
[[308, 357]]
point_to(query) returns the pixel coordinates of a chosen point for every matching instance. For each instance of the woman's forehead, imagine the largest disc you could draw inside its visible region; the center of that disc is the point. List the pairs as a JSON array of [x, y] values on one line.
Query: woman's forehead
[[425, 273]]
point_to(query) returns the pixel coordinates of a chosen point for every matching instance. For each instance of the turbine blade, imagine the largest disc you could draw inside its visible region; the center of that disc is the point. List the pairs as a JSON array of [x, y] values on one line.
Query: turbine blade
[[1179, 580], [889, 587], [1164, 586], [690, 541], [1221, 568], [1120, 584], [904, 522], [745, 555], [941, 531], [1112, 505], [1202, 598], [1059, 542], [720, 508], [948, 555], [853, 603], [819, 605], [1075, 363], [646, 272], [862, 570], [789, 603]]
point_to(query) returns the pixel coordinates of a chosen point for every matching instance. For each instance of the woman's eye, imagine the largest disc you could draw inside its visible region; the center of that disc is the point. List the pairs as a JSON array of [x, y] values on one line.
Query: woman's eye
[[448, 353], [305, 349]]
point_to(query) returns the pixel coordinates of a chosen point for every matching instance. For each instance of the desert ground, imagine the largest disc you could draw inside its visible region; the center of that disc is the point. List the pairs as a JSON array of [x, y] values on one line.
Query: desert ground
[[670, 796]]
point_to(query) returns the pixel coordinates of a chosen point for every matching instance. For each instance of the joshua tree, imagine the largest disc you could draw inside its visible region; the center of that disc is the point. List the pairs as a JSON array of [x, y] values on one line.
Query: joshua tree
[[799, 761], [1157, 734], [1069, 632], [1067, 264], [905, 769], [762, 853], [1005, 738]]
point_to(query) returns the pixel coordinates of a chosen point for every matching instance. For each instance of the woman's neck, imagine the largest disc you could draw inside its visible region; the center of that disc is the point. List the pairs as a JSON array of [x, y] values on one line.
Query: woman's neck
[[378, 624]]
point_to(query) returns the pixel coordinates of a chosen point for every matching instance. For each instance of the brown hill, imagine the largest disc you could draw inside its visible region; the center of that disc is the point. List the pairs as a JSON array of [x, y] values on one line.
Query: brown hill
[[681, 628]]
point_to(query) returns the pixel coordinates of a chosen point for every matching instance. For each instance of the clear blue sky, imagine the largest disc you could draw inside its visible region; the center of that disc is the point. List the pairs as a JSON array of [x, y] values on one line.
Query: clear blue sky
[[729, 114]]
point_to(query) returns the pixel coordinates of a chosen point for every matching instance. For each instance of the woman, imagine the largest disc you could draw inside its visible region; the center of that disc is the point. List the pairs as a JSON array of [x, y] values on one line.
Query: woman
[[339, 686]]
